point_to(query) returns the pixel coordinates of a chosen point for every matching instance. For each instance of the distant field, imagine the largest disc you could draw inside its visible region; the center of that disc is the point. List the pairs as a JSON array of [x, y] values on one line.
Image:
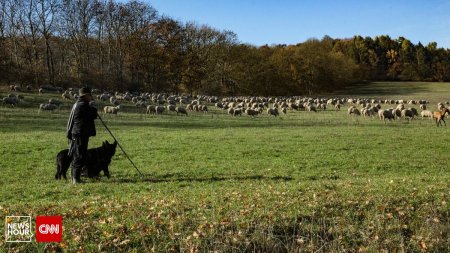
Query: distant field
[[307, 182], [433, 92]]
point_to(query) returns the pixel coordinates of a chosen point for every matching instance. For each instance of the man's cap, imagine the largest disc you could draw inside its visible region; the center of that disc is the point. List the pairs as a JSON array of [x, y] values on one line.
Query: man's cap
[[84, 91]]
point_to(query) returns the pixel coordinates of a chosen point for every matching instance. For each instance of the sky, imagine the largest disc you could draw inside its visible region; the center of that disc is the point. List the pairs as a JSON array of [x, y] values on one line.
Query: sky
[[294, 21]]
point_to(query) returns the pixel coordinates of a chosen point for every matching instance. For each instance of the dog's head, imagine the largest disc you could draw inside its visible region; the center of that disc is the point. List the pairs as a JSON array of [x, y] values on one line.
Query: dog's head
[[109, 150]]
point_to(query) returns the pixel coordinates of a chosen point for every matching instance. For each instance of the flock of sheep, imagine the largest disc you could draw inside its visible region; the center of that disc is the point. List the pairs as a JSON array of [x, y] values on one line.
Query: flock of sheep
[[158, 103]]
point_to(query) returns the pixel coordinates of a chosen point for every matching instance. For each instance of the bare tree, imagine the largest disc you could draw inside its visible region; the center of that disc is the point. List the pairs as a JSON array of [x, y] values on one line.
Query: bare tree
[[78, 18], [46, 11]]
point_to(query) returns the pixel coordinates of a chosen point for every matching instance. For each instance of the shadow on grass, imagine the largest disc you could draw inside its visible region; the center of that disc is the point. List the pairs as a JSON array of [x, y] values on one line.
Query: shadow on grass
[[177, 177]]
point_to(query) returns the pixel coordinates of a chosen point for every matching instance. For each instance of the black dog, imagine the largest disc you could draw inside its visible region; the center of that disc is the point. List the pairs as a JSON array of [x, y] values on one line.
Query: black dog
[[98, 159]]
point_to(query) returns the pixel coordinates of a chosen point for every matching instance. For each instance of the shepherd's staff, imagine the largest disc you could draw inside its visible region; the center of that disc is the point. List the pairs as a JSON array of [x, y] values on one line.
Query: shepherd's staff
[[125, 153]]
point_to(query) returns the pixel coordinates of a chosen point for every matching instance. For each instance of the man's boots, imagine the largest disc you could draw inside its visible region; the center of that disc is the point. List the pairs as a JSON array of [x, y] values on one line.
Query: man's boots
[[76, 176]]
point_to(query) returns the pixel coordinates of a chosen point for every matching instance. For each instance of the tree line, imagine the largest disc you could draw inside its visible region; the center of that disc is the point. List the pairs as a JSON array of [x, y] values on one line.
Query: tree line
[[129, 46]]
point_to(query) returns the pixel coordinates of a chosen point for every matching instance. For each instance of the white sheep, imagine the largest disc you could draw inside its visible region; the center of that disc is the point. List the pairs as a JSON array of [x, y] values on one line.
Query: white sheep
[[151, 109], [426, 114], [111, 109]]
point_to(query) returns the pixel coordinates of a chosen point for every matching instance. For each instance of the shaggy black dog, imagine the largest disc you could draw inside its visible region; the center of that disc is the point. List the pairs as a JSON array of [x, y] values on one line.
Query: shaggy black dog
[[98, 159]]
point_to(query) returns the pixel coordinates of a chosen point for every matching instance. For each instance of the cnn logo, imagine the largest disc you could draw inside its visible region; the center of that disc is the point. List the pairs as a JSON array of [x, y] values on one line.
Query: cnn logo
[[49, 228]]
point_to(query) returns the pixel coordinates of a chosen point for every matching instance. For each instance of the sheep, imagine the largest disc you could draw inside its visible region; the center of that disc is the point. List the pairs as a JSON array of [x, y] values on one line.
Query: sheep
[[337, 107], [104, 97], [251, 112], [385, 114], [439, 116], [440, 106], [401, 107], [353, 110], [367, 112], [181, 110], [114, 101], [17, 88], [397, 113], [47, 107], [203, 108], [141, 103], [160, 109], [272, 111], [111, 109], [322, 107], [292, 106], [54, 101], [184, 101], [237, 111], [66, 95], [283, 110], [194, 107], [426, 114], [407, 113], [13, 101], [414, 110], [423, 107], [311, 108], [231, 111], [151, 109], [171, 108]]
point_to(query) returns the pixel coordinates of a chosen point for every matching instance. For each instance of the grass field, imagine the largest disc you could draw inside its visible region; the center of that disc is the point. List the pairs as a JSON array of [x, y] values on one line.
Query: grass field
[[304, 182]]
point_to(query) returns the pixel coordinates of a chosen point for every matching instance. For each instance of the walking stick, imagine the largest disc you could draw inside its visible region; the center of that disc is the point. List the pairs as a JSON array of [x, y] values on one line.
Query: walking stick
[[125, 153]]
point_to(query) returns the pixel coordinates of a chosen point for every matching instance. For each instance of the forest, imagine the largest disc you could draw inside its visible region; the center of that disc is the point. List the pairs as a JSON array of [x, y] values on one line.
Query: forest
[[129, 46]]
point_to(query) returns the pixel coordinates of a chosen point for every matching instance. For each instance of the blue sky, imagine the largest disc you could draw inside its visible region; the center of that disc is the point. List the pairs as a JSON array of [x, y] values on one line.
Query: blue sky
[[290, 22]]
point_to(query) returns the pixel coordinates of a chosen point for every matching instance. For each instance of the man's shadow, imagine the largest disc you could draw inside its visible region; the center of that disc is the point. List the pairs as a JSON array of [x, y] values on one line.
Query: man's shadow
[[179, 177]]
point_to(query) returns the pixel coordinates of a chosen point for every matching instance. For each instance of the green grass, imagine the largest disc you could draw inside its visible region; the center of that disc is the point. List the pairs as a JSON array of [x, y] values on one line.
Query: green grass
[[302, 182]]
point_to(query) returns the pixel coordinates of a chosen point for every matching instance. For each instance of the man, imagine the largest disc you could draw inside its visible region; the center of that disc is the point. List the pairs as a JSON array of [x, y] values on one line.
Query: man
[[80, 127]]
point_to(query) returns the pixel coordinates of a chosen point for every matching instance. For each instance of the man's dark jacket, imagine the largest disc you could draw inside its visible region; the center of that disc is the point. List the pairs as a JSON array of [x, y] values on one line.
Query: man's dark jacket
[[81, 120]]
